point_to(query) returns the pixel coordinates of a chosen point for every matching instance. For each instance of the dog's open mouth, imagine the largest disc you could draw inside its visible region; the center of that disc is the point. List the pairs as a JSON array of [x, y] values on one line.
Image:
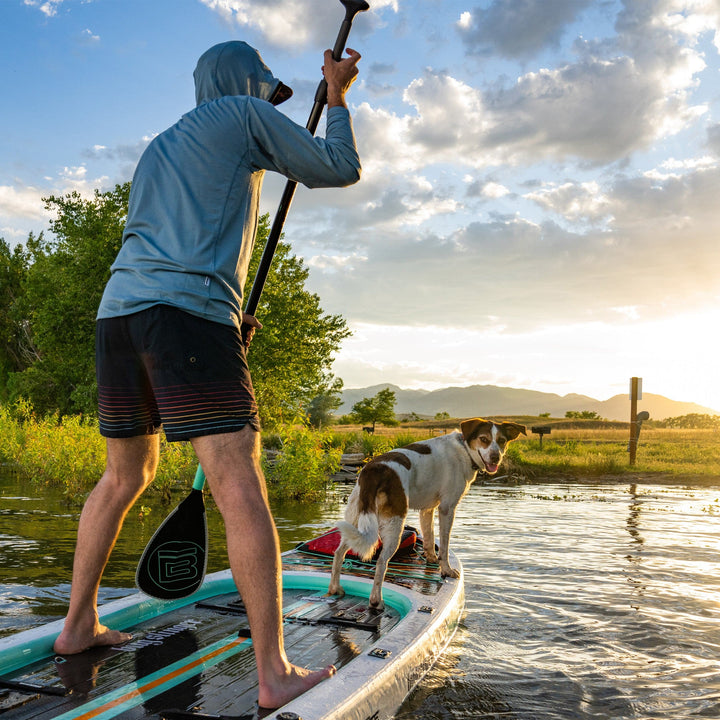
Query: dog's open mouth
[[491, 468]]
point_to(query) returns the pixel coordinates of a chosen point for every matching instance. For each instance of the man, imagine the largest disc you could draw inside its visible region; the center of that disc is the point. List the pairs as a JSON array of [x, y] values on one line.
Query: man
[[169, 345]]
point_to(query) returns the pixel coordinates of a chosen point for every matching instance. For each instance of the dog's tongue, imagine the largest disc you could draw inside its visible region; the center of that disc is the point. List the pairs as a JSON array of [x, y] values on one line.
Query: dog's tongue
[[491, 468]]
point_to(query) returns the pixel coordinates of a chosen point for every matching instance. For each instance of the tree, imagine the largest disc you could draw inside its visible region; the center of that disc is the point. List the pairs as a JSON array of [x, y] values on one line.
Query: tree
[[583, 415], [320, 409], [378, 409], [60, 289], [693, 421], [63, 286], [13, 269], [291, 357]]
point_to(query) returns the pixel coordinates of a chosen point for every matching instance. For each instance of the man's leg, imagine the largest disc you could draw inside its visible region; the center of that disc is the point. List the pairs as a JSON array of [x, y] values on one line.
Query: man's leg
[[232, 466], [131, 465]]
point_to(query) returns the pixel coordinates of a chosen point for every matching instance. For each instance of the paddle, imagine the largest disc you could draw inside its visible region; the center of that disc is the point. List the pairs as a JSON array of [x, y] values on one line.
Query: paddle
[[174, 561]]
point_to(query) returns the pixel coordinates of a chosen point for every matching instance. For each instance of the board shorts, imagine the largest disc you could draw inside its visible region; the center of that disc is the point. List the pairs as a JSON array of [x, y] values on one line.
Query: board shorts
[[163, 367]]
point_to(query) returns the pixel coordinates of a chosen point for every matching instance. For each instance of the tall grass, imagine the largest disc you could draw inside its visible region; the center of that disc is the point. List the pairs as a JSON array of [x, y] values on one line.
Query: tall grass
[[662, 452], [372, 444], [69, 453]]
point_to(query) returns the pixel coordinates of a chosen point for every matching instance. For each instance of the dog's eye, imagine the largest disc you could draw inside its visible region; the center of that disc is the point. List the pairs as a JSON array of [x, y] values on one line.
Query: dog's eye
[[501, 441], [484, 439]]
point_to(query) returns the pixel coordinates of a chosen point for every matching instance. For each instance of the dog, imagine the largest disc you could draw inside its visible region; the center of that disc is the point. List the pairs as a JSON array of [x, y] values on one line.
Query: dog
[[434, 473]]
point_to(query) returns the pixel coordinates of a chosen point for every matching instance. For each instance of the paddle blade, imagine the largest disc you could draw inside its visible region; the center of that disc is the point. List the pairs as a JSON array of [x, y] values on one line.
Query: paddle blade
[[174, 561]]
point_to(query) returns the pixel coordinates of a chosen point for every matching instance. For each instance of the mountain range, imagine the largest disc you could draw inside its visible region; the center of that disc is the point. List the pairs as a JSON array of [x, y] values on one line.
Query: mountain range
[[492, 400]]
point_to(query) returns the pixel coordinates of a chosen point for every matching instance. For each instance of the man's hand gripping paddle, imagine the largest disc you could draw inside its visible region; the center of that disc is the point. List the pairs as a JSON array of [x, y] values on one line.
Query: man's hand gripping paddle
[[174, 561]]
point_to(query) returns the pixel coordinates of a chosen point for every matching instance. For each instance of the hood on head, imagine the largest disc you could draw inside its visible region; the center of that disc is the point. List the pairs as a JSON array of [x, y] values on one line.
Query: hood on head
[[233, 68]]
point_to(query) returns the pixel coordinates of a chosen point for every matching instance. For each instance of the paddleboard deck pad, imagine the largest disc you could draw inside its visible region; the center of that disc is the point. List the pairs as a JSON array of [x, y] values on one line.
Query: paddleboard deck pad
[[193, 657]]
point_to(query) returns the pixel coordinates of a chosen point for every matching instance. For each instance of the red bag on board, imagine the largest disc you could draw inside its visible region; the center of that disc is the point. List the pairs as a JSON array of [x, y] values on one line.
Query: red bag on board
[[327, 543]]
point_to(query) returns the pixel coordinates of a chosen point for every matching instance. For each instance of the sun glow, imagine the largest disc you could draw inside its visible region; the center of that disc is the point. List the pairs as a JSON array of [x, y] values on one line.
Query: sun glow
[[676, 357]]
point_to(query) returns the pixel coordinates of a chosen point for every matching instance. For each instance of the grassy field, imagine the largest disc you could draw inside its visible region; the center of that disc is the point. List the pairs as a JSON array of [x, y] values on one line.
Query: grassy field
[[69, 452], [592, 449]]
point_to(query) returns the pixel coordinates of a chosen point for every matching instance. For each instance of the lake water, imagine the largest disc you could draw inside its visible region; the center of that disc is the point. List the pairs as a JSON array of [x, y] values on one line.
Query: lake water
[[583, 600]]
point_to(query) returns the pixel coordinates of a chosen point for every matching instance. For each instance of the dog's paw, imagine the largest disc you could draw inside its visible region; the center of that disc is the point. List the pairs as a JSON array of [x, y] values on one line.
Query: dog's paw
[[376, 606], [431, 558], [335, 592], [447, 571]]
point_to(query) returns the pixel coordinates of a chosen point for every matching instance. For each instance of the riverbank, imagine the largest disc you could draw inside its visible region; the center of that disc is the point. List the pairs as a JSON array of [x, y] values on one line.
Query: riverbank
[[301, 463]]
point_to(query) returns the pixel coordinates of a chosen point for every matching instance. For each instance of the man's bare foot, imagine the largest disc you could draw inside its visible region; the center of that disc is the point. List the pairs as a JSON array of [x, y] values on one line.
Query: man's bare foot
[[69, 642], [295, 683]]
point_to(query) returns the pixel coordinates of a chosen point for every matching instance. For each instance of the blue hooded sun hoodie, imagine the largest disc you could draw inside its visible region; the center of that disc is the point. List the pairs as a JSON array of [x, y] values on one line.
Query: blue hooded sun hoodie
[[193, 210]]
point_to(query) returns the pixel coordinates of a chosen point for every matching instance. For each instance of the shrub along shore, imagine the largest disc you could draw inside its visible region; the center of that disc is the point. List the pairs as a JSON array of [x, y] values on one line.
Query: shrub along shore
[[68, 452]]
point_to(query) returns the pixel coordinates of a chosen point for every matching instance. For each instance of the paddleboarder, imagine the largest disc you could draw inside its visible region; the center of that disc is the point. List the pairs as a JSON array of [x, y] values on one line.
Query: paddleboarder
[[169, 345]]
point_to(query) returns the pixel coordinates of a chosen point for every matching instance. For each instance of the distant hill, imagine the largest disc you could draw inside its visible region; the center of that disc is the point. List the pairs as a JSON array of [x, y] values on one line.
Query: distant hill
[[478, 400]]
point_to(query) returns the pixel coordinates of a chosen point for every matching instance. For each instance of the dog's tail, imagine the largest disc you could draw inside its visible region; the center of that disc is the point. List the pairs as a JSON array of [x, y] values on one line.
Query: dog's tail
[[364, 538]]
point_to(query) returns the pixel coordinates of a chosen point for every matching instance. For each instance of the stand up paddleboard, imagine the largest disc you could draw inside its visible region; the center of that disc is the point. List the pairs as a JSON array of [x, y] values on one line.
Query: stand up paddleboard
[[193, 657]]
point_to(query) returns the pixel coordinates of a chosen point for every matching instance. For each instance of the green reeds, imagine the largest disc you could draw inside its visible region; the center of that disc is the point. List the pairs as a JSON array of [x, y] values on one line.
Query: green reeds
[[69, 452]]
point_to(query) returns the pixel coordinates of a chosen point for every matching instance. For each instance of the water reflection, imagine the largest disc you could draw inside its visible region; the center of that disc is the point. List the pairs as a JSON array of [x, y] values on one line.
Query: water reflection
[[583, 601], [634, 555]]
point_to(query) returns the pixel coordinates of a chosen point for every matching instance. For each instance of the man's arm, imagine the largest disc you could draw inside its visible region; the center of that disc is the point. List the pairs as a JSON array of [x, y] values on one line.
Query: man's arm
[[339, 76]]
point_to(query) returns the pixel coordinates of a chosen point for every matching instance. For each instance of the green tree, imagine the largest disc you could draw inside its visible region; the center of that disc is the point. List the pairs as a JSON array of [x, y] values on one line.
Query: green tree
[[13, 268], [291, 357], [583, 414], [693, 421], [378, 409], [320, 409], [63, 286], [60, 289]]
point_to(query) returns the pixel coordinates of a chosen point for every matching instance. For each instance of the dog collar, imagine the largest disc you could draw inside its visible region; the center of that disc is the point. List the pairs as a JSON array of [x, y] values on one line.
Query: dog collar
[[475, 466]]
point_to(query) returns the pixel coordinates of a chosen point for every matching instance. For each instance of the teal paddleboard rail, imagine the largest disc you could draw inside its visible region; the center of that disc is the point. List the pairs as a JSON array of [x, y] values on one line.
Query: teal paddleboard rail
[[25, 648]]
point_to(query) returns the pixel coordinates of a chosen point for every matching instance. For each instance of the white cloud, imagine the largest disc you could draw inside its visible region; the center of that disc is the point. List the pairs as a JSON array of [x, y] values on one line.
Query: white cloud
[[517, 28], [22, 210], [47, 7], [292, 23], [596, 110], [651, 244], [573, 201], [21, 202], [494, 190], [88, 37]]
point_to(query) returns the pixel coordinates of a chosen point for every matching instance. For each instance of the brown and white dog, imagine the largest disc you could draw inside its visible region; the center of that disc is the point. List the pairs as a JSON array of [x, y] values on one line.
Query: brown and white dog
[[425, 475]]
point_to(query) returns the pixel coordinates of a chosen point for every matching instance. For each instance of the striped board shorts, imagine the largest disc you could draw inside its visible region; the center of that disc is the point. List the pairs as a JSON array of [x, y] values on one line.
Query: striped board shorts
[[163, 367]]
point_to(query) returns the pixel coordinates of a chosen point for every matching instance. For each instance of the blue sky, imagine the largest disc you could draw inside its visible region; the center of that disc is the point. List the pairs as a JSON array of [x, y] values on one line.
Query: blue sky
[[539, 199]]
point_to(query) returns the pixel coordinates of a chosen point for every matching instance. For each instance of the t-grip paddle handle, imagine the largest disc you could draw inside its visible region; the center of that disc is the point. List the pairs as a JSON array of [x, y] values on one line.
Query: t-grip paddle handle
[[352, 8]]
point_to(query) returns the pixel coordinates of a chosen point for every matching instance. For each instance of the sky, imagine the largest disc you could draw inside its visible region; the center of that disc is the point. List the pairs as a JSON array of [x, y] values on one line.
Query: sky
[[539, 205]]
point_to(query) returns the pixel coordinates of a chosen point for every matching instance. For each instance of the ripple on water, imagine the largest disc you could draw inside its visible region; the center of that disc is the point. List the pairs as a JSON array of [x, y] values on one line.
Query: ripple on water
[[583, 602]]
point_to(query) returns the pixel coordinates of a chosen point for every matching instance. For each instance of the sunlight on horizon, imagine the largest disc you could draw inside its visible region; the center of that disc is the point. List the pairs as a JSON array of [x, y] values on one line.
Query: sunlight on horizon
[[676, 357]]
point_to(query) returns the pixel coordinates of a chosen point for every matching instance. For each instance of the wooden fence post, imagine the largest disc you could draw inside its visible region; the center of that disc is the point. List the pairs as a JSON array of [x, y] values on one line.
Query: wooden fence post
[[635, 392]]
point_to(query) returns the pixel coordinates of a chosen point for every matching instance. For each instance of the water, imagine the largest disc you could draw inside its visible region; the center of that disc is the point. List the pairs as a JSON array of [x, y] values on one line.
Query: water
[[583, 601]]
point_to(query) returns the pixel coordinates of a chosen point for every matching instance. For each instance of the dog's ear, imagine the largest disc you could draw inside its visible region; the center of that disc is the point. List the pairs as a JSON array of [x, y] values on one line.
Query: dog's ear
[[469, 428], [512, 430]]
